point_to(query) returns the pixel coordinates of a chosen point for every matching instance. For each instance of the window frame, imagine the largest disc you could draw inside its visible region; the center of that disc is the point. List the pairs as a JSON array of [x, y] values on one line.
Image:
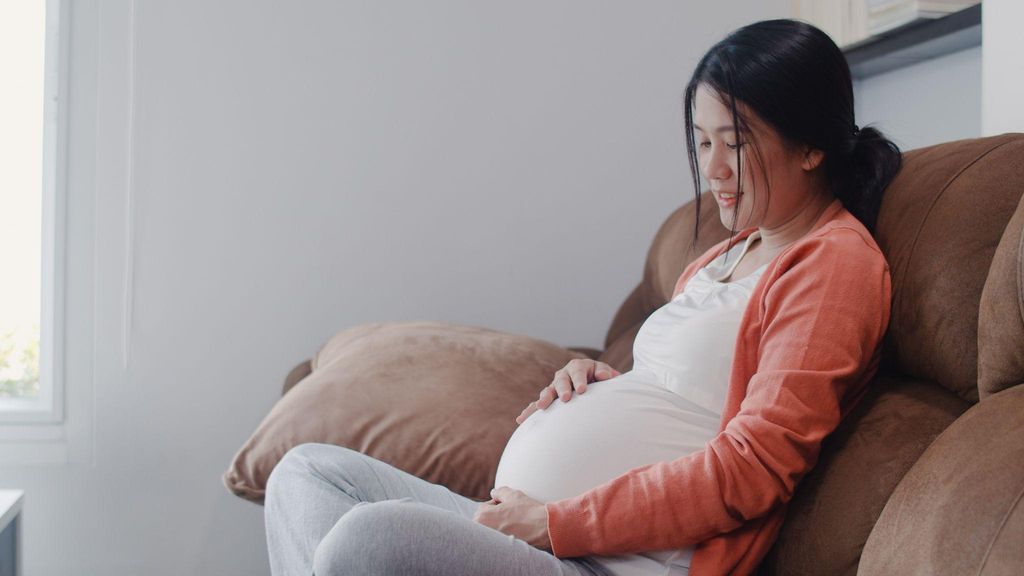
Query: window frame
[[28, 419]]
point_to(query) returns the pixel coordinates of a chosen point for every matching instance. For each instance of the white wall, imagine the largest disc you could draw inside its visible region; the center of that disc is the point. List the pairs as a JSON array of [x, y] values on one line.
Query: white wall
[[1002, 106], [934, 101], [297, 169]]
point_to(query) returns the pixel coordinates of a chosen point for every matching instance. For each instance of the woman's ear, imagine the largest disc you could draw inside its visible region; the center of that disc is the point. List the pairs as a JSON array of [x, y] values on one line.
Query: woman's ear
[[812, 159]]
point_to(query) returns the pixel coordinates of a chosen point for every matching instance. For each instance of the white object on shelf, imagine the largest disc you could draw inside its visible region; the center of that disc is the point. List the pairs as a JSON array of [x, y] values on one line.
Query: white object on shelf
[[832, 16], [884, 15], [10, 532], [850, 21]]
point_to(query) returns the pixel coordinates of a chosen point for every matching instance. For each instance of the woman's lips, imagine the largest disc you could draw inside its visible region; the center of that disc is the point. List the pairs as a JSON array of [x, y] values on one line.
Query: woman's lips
[[726, 202]]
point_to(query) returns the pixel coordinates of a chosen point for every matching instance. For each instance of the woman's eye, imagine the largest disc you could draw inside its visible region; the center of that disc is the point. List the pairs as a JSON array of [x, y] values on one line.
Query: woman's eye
[[730, 146]]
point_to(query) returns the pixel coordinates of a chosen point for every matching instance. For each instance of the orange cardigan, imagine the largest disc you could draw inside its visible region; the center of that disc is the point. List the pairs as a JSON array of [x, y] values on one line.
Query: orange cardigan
[[808, 344]]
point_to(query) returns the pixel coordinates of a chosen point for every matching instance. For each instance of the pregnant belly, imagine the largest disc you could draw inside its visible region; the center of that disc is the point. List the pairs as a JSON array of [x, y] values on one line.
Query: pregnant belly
[[616, 425]]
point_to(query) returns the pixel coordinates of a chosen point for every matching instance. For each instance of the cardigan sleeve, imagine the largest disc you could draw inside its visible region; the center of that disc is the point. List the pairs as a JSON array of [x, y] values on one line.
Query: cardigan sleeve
[[823, 321]]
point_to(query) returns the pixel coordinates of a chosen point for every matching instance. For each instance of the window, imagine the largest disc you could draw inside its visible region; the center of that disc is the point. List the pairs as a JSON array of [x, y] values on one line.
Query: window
[[31, 210]]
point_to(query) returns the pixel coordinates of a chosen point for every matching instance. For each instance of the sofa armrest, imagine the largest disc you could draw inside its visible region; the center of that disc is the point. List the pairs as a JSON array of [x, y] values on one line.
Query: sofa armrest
[[592, 353]]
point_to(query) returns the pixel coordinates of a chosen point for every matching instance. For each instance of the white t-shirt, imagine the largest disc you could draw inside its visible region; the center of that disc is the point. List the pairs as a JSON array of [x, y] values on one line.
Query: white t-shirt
[[669, 405]]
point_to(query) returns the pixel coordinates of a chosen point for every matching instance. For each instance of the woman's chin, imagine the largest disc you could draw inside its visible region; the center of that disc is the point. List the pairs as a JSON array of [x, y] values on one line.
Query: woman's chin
[[728, 213]]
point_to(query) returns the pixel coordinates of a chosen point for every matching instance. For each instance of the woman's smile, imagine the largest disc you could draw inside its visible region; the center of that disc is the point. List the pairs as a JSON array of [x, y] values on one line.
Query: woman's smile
[[727, 200]]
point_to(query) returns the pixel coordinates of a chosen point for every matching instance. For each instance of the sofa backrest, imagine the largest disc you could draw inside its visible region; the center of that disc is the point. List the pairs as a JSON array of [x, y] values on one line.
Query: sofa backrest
[[940, 224]]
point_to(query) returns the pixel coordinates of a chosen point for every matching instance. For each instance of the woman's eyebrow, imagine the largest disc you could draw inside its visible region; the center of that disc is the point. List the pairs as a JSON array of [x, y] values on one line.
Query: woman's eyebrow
[[720, 129]]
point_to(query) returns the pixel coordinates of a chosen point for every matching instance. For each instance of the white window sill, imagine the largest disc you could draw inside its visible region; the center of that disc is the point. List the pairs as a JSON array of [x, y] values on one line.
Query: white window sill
[[34, 445]]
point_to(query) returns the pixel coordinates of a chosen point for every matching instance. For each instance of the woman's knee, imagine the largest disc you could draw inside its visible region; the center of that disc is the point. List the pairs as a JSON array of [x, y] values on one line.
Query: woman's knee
[[375, 538], [306, 458], [296, 464], [293, 459], [302, 455]]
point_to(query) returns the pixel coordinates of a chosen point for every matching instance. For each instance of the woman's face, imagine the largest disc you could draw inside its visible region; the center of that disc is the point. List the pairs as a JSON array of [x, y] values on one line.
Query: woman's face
[[788, 173]]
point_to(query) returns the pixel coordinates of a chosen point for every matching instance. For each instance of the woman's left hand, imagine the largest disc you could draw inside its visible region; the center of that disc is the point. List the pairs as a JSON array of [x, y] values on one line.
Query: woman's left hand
[[513, 512]]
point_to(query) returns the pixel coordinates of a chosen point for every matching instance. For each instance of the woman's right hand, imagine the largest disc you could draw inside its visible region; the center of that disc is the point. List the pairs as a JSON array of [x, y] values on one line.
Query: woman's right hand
[[574, 376]]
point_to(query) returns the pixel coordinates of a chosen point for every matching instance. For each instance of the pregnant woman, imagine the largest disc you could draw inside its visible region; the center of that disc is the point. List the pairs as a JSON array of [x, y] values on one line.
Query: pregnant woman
[[685, 463]]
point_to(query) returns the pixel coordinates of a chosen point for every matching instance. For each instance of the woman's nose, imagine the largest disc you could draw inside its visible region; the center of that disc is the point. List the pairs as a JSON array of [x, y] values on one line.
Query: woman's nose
[[716, 164]]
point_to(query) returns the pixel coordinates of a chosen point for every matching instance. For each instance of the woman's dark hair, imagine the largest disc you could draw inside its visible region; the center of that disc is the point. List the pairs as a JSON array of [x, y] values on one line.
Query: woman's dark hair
[[795, 78]]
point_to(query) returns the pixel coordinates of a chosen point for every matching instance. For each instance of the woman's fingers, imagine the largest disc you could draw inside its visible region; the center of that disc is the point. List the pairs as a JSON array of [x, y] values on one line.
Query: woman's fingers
[[575, 376], [604, 371], [581, 373], [526, 412], [547, 396], [564, 381]]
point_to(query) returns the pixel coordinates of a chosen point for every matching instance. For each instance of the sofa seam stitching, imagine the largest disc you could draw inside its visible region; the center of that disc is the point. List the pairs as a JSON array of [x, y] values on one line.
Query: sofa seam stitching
[[1020, 277], [999, 530]]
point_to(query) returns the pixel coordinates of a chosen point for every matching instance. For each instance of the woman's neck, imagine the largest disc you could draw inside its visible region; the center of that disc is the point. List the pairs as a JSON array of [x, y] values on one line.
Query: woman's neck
[[775, 239]]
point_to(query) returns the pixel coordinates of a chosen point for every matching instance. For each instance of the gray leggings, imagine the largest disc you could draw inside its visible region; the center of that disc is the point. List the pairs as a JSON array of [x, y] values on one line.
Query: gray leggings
[[332, 511]]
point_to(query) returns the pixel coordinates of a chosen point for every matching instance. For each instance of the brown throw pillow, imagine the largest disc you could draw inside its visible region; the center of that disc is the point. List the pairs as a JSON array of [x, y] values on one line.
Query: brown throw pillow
[[436, 400]]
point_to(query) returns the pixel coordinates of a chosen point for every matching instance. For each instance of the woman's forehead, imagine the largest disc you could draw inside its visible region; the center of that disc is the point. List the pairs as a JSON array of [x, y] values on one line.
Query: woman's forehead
[[712, 115], [712, 112]]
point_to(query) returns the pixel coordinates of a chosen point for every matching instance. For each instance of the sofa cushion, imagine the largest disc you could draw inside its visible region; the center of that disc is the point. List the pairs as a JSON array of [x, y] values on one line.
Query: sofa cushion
[[959, 509], [837, 503], [938, 264], [433, 399], [1001, 318]]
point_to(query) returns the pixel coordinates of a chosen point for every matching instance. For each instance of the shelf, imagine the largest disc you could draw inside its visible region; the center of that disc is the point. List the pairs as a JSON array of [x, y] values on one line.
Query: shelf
[[915, 42]]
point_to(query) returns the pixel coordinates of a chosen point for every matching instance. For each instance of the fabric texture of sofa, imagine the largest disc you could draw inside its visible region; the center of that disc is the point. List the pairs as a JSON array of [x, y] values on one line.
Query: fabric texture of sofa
[[925, 476]]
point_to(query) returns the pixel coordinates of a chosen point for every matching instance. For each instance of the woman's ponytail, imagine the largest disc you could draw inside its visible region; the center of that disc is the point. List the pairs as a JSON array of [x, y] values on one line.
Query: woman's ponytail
[[860, 179]]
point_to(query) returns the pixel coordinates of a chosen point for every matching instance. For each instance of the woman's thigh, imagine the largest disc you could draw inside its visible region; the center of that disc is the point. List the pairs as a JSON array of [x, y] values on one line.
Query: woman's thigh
[[335, 478], [316, 486], [405, 537]]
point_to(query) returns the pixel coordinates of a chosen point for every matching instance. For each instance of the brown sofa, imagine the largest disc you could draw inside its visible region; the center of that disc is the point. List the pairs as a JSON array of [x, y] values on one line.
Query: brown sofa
[[925, 476]]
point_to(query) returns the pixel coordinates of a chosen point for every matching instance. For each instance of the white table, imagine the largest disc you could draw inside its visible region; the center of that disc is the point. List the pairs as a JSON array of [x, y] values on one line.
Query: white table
[[10, 532]]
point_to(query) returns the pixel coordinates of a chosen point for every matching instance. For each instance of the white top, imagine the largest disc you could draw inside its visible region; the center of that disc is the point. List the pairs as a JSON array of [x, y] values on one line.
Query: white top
[[690, 341], [669, 405]]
